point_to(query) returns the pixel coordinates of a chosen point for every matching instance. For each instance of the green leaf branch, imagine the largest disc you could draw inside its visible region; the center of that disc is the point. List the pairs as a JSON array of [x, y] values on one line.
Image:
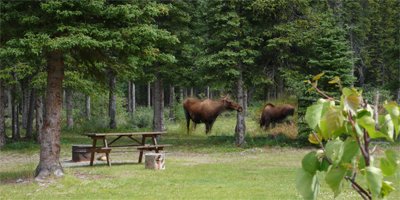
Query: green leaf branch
[[344, 130]]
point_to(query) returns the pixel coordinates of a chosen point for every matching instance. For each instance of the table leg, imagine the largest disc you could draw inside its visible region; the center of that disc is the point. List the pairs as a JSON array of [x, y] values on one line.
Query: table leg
[[93, 151], [141, 151], [105, 144]]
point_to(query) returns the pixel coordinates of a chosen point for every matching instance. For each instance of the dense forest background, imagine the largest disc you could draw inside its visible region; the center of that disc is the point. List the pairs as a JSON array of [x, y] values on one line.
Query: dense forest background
[[192, 48], [110, 58]]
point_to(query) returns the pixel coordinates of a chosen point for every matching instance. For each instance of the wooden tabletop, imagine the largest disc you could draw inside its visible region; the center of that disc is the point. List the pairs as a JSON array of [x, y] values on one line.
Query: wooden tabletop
[[125, 134]]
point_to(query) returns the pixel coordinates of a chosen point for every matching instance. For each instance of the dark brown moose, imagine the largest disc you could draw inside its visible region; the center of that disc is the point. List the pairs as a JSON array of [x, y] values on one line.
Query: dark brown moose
[[272, 114], [206, 111]]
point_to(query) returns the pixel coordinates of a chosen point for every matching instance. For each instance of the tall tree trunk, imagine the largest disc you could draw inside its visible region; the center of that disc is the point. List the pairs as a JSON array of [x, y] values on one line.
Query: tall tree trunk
[[112, 105], [131, 97], [208, 92], [171, 102], [181, 95], [240, 129], [25, 102], [2, 117], [69, 108], [191, 92], [39, 116], [50, 135], [87, 107], [398, 86], [158, 106], [14, 115], [148, 94], [133, 101], [31, 110]]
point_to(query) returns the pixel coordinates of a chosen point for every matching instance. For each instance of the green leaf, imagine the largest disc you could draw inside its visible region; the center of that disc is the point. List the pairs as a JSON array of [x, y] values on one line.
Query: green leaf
[[318, 76], [351, 99], [394, 111], [335, 80], [334, 151], [313, 115], [350, 150], [374, 179], [331, 123], [389, 164], [334, 178], [368, 123], [324, 166], [307, 184], [387, 188], [310, 162], [386, 126]]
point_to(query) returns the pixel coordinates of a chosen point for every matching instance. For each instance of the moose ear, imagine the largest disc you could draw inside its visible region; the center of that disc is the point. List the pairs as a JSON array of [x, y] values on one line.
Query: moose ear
[[226, 97]]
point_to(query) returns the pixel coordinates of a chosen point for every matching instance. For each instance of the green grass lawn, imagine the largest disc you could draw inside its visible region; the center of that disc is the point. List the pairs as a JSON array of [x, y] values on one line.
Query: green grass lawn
[[197, 167]]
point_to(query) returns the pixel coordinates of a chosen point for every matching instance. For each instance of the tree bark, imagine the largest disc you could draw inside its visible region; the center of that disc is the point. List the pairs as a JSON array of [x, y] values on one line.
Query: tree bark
[[25, 103], [69, 108], [171, 102], [148, 94], [133, 101], [158, 106], [191, 92], [87, 107], [240, 129], [50, 135], [39, 116], [208, 92], [31, 110], [112, 105], [131, 97], [14, 115], [181, 95], [2, 117]]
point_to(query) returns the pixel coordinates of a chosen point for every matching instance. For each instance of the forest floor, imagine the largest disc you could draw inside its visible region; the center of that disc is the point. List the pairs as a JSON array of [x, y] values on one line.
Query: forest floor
[[198, 166]]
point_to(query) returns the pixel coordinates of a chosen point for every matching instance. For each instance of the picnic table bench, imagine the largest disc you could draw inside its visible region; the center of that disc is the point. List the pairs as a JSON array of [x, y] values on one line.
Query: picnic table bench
[[138, 141]]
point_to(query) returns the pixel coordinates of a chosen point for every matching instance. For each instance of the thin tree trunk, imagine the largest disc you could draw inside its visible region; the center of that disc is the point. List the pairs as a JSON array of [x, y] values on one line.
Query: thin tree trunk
[[376, 108], [39, 116], [181, 95], [129, 98], [112, 105], [25, 103], [50, 135], [133, 100], [171, 102], [158, 106], [14, 115], [87, 107], [208, 92], [2, 116], [148, 94], [191, 92], [240, 129], [398, 86], [31, 110], [69, 108]]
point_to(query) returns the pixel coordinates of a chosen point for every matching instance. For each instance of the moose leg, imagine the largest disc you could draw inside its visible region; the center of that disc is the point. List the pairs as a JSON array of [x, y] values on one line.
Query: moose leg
[[187, 121], [211, 125], [207, 128]]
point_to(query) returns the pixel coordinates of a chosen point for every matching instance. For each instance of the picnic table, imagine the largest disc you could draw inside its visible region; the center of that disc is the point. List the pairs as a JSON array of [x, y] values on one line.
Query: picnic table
[[138, 140]]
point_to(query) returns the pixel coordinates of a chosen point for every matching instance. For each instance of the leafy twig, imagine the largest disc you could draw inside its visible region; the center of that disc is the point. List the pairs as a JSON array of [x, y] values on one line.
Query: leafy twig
[[364, 194]]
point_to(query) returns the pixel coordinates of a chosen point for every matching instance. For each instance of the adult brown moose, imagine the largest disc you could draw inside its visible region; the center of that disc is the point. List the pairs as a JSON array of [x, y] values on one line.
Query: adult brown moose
[[272, 114], [207, 111]]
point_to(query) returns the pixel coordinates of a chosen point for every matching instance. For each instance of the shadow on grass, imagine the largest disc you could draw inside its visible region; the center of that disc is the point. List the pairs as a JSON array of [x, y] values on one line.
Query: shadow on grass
[[13, 176], [70, 164]]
